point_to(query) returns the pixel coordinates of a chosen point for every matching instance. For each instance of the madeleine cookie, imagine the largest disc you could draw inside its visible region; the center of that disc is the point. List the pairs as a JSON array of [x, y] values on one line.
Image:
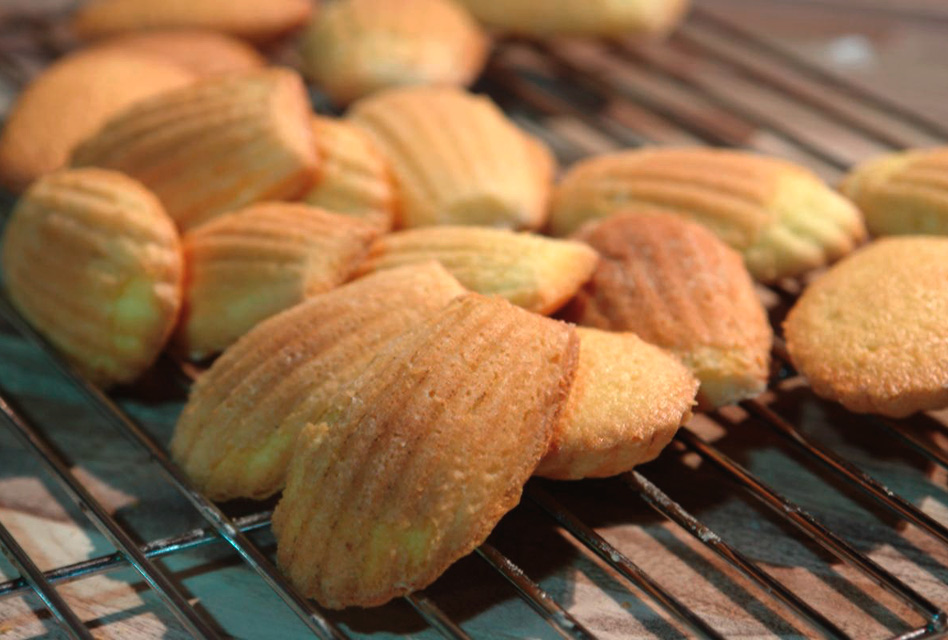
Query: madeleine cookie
[[456, 158], [354, 179], [423, 453], [203, 53], [871, 333], [69, 101], [626, 403], [92, 261], [580, 17], [536, 273], [248, 19], [235, 436], [355, 47], [245, 266], [215, 146], [902, 193], [676, 285], [780, 216]]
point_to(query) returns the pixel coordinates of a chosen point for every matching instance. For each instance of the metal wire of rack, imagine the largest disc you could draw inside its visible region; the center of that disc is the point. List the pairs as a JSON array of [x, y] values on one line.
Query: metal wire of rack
[[581, 98]]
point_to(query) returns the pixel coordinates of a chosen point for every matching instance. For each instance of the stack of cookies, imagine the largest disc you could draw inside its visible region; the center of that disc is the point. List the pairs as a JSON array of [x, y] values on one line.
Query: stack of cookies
[[409, 318]]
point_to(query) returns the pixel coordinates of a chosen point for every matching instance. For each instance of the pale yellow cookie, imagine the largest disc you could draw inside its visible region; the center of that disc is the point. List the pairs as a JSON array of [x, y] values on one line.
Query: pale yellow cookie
[[902, 193], [872, 332], [423, 453], [235, 436], [536, 273], [69, 101], [457, 159], [627, 401], [93, 262], [203, 53], [355, 47], [781, 217], [245, 266], [580, 17], [215, 146], [676, 285], [354, 179], [255, 20]]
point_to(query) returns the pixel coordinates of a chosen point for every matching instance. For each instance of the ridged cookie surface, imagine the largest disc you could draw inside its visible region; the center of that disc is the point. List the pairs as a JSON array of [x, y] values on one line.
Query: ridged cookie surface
[[69, 101], [355, 178], [248, 265], [902, 193], [872, 332], [355, 47], [92, 261], [781, 217], [580, 17], [255, 20], [423, 453], [203, 53], [457, 159], [235, 436], [214, 146], [626, 403], [536, 273], [676, 285]]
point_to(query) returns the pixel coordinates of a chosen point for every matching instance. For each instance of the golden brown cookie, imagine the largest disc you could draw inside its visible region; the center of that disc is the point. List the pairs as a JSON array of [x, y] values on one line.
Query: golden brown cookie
[[536, 273], [203, 53], [354, 179], [255, 20], [215, 146], [69, 101], [627, 401], [248, 265], [580, 17], [871, 332], [676, 285], [423, 453], [355, 47], [235, 436], [92, 261], [781, 217], [457, 159], [902, 193]]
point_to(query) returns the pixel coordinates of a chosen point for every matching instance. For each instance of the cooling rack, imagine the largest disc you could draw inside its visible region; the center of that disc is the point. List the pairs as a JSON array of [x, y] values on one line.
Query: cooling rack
[[785, 516]]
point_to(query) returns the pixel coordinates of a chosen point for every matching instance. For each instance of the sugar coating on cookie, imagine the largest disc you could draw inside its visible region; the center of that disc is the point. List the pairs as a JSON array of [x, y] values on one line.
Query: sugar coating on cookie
[[537, 273], [871, 333], [94, 263], [236, 433], [422, 454], [675, 284], [626, 403]]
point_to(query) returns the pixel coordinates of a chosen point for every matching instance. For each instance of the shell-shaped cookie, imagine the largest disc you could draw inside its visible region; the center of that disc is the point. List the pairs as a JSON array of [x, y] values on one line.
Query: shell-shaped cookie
[[203, 53], [246, 266], [214, 146], [354, 178], [235, 438], [248, 19], [355, 47], [781, 217], [871, 333], [457, 159], [536, 273], [626, 403], [676, 285], [902, 193], [69, 101], [92, 261], [423, 453], [580, 17]]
